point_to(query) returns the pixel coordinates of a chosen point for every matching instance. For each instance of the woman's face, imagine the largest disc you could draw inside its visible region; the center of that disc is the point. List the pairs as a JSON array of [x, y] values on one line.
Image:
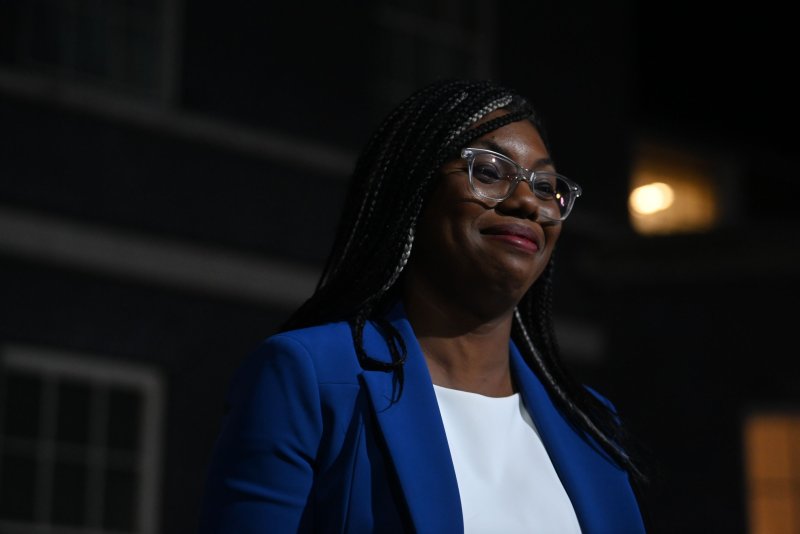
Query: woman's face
[[475, 248]]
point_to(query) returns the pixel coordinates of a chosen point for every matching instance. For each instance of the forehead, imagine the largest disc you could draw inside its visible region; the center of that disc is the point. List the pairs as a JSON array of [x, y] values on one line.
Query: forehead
[[519, 140]]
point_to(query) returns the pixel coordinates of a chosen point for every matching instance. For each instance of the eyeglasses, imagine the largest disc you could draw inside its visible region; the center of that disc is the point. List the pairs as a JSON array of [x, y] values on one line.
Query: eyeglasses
[[493, 176]]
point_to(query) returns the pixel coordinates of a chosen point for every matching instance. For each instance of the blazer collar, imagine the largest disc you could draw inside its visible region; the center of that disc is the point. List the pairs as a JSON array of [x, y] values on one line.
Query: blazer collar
[[414, 433]]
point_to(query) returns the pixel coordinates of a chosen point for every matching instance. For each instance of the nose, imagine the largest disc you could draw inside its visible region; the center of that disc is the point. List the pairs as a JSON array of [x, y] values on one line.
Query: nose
[[524, 203]]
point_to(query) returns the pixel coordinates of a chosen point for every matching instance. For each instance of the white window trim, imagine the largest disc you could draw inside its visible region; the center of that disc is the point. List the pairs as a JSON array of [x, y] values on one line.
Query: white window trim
[[57, 365], [155, 259], [331, 162]]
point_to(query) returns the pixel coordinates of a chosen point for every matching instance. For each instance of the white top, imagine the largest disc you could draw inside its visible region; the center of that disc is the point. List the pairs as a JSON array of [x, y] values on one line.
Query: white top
[[505, 477]]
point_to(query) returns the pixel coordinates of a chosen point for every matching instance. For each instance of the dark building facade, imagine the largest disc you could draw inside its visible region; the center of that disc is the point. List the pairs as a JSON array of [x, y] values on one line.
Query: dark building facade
[[170, 179]]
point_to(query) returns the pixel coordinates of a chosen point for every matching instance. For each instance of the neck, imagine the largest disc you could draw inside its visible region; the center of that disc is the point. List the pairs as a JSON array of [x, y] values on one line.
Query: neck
[[464, 348]]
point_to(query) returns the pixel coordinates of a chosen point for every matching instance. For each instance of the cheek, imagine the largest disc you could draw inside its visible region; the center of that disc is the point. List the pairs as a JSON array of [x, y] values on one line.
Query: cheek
[[551, 234], [447, 240], [451, 233], [451, 216], [436, 234]]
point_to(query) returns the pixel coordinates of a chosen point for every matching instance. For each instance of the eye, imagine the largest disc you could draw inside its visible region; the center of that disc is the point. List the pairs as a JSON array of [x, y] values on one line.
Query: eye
[[544, 185], [489, 169], [486, 172]]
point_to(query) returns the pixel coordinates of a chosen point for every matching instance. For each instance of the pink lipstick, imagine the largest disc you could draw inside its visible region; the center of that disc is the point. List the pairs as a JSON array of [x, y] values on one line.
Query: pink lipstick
[[517, 235]]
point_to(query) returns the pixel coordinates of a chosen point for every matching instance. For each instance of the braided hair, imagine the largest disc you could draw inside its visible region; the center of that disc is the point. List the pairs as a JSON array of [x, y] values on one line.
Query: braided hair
[[391, 181]]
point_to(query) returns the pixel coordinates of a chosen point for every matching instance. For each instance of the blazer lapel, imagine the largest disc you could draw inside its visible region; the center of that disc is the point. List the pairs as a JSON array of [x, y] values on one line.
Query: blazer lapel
[[599, 490], [413, 431]]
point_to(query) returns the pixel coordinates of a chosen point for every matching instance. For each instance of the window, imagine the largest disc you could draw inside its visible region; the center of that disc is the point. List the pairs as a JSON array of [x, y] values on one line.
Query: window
[[772, 449], [79, 444], [421, 41], [123, 46]]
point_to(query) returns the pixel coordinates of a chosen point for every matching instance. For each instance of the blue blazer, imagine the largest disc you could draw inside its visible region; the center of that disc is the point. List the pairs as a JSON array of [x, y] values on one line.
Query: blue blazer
[[313, 442]]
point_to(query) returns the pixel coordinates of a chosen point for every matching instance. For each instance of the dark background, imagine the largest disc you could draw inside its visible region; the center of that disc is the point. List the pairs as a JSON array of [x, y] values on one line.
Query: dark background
[[232, 127]]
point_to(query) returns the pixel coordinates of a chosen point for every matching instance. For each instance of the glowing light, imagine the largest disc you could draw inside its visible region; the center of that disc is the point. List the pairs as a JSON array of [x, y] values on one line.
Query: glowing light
[[651, 198]]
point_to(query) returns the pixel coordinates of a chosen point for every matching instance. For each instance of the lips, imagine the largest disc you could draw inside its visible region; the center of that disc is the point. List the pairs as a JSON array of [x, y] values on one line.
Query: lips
[[518, 235]]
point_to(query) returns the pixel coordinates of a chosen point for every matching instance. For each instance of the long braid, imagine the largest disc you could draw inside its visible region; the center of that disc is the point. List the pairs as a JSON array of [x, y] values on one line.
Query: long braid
[[377, 142], [385, 159], [534, 319]]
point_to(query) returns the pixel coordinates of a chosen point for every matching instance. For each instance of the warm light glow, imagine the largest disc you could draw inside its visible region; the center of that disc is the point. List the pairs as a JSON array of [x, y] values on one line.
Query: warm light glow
[[650, 198], [671, 191]]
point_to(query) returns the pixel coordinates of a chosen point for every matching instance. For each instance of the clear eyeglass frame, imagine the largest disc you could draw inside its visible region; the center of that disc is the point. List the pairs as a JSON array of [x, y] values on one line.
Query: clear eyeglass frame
[[547, 186]]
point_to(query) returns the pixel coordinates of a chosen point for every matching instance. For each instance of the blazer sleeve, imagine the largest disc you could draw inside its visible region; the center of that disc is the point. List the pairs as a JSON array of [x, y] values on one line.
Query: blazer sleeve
[[262, 468]]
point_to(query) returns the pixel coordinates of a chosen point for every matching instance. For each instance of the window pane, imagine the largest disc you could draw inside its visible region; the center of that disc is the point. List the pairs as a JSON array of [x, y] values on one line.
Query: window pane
[[772, 515], [115, 44], [93, 40], [119, 510], [124, 413], [17, 487], [45, 23], [21, 404], [773, 477], [142, 7], [69, 493], [140, 55], [74, 401]]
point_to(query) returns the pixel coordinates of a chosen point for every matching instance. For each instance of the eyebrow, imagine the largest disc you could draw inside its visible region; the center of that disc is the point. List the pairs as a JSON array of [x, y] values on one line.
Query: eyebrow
[[492, 145]]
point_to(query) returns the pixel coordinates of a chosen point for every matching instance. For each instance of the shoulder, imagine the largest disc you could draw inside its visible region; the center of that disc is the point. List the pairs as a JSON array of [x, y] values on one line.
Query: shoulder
[[314, 338], [324, 351]]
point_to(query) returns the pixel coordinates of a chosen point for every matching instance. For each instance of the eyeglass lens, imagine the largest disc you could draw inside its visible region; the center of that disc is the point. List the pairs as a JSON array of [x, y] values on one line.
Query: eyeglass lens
[[493, 177]]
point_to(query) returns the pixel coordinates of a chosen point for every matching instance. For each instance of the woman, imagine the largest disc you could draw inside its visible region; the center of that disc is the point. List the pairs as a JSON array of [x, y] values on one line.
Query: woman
[[419, 389]]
